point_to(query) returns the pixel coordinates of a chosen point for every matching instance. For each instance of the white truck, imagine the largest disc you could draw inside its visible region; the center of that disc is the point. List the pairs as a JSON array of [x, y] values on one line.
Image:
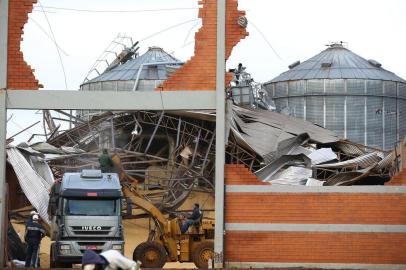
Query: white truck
[[85, 210]]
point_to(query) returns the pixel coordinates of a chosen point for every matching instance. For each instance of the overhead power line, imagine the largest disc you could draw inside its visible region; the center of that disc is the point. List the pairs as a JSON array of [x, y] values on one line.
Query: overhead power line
[[49, 36], [266, 40], [169, 28], [56, 45], [118, 11]]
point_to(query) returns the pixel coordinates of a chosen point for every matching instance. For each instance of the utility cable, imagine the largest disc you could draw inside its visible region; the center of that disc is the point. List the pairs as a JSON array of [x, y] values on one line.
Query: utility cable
[[46, 33], [266, 40], [57, 48], [190, 32], [118, 11], [168, 28]]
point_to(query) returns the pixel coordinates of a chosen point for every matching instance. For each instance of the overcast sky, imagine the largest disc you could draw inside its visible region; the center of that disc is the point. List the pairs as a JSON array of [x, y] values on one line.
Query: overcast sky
[[296, 29]]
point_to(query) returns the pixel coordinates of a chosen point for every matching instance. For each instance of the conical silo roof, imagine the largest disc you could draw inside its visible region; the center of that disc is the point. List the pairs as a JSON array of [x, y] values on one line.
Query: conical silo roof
[[150, 71], [337, 62]]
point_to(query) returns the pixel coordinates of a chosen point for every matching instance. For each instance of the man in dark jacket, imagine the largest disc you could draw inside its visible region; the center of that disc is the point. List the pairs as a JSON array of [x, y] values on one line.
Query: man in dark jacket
[[34, 233], [192, 219], [106, 164]]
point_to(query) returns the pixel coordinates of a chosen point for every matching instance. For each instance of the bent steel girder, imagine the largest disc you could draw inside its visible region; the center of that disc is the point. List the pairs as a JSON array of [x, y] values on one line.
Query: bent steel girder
[[174, 154]]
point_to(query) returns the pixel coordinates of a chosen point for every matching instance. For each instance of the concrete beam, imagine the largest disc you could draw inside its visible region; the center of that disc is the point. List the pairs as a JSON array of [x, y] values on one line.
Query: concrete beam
[[109, 100], [220, 134], [350, 228], [334, 266], [3, 202], [323, 189], [3, 124], [3, 42]]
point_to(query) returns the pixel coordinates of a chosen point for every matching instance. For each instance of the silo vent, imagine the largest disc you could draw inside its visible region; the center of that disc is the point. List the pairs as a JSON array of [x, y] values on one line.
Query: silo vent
[[295, 64], [375, 63], [326, 64]]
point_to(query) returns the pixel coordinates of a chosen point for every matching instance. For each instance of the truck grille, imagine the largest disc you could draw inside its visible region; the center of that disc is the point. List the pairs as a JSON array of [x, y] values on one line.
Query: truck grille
[[94, 246], [79, 230]]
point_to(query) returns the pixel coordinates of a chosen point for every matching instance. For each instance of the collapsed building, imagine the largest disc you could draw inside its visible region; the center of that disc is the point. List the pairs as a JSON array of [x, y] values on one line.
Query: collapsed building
[[172, 153]]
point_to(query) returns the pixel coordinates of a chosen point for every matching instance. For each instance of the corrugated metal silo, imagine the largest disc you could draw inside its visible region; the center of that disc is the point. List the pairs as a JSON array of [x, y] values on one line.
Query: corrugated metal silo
[[343, 92]]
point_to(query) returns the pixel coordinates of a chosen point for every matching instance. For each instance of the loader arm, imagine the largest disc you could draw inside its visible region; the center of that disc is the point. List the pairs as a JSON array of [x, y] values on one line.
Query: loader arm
[[137, 199], [156, 214]]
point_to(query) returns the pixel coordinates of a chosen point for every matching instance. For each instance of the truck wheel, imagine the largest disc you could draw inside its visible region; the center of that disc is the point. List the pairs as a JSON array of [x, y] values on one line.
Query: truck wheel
[[150, 254], [201, 254], [52, 263]]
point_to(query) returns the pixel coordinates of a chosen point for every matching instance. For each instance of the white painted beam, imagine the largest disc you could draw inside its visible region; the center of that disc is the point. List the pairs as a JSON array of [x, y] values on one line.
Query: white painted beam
[[220, 135], [3, 202], [109, 100]]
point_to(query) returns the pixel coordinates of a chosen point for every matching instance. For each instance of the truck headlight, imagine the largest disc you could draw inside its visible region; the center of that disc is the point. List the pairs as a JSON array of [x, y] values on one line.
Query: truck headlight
[[117, 247], [64, 249]]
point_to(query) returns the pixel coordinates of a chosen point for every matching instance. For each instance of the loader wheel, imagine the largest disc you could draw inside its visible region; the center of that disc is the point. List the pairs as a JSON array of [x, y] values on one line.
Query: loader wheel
[[202, 253], [150, 254]]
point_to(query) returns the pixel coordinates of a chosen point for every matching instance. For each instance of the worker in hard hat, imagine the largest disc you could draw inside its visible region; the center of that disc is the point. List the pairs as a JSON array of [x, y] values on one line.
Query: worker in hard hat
[[107, 260], [34, 232]]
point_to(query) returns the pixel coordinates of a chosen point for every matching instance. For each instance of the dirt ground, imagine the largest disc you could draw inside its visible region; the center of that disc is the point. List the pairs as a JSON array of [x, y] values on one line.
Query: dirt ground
[[135, 231]]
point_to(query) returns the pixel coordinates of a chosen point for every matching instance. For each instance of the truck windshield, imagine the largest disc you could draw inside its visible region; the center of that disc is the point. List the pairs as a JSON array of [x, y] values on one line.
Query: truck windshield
[[76, 207]]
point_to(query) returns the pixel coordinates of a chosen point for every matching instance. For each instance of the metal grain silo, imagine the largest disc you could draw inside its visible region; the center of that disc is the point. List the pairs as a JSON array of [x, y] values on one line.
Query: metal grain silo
[[136, 73], [343, 92]]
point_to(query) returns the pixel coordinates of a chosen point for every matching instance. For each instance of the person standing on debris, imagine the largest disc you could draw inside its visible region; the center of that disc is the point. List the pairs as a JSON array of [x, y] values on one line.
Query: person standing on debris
[[106, 163], [34, 233], [192, 219], [53, 196], [109, 260]]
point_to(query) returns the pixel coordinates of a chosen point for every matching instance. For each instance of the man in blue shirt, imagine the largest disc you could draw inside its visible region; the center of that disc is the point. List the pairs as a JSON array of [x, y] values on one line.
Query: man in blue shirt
[[34, 232], [192, 219]]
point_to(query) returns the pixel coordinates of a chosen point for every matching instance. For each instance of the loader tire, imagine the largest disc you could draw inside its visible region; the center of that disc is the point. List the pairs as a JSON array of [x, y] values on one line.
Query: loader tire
[[150, 254], [201, 254]]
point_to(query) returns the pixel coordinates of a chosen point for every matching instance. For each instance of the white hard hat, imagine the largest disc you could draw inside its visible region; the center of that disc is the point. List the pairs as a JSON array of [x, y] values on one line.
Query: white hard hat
[[33, 212], [35, 217]]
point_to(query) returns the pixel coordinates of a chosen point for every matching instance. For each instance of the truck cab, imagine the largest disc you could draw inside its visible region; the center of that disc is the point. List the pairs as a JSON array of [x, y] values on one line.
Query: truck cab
[[85, 210]]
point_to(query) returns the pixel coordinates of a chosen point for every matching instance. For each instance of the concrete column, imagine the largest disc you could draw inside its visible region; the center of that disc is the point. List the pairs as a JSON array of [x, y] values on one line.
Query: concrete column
[[220, 134], [3, 202], [3, 123]]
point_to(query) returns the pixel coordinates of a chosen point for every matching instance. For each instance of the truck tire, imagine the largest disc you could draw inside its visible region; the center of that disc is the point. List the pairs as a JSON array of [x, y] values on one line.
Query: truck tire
[[52, 262], [201, 254], [150, 254]]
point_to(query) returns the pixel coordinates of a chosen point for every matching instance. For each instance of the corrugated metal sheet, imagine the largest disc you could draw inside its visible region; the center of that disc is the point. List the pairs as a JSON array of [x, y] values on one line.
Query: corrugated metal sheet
[[263, 131], [363, 161], [344, 65], [33, 185]]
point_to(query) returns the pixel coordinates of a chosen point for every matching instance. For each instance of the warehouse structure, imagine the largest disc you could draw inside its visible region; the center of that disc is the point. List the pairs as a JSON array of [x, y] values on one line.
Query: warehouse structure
[[343, 92]]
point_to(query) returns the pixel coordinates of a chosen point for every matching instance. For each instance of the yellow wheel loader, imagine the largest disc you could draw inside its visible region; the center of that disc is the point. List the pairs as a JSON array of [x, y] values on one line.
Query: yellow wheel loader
[[166, 243]]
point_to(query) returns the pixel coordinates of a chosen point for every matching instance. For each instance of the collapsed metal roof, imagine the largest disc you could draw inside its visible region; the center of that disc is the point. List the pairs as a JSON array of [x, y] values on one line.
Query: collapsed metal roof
[[337, 62], [154, 63]]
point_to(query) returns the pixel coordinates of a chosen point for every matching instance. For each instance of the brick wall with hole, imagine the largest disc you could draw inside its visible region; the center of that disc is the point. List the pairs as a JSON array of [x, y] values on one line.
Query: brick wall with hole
[[264, 216], [199, 73], [19, 74]]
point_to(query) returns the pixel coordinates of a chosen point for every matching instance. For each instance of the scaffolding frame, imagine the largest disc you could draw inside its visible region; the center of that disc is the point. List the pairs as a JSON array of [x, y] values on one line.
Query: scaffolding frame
[[72, 99]]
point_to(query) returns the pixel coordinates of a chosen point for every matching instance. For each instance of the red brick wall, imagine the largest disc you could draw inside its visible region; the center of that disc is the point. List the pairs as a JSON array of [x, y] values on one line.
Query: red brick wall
[[238, 174], [315, 247], [199, 73], [316, 208], [19, 73], [274, 244]]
